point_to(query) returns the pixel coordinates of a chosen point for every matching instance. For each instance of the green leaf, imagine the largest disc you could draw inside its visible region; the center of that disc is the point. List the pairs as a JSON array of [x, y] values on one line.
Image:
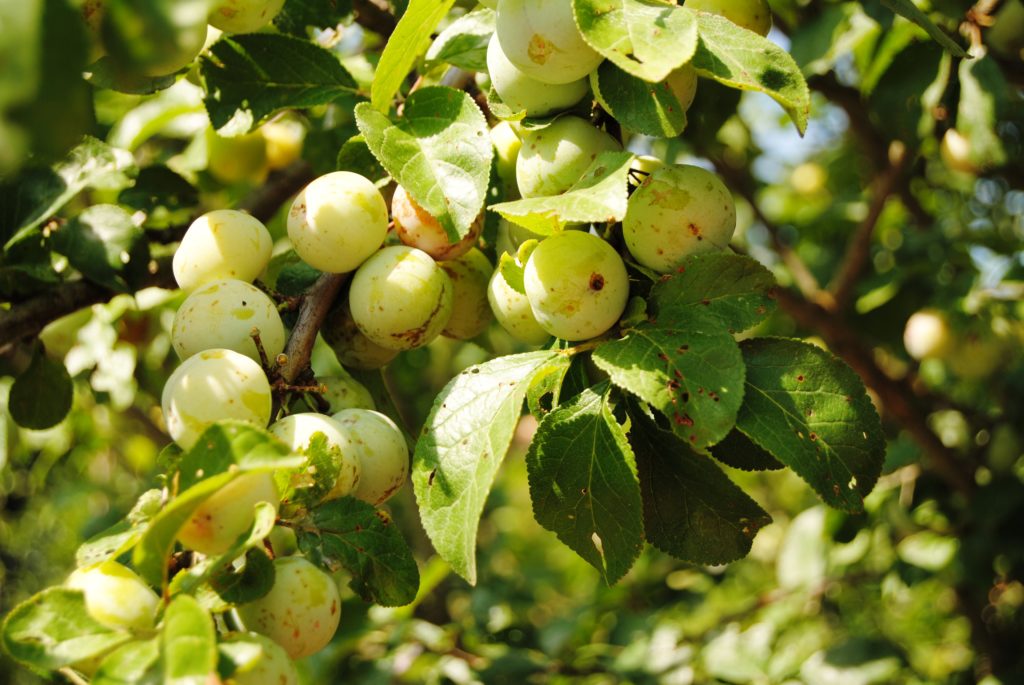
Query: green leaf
[[355, 156], [189, 643], [107, 73], [251, 77], [254, 580], [464, 43], [230, 444], [350, 533], [53, 629], [439, 151], [41, 395], [984, 93], [583, 483], [123, 535], [545, 389], [691, 509], [408, 41], [464, 441], [742, 59], [154, 115], [598, 197], [737, 451], [648, 108], [318, 475], [689, 368], [136, 663], [646, 38], [167, 199], [810, 411], [104, 243], [735, 289], [297, 17], [908, 10]]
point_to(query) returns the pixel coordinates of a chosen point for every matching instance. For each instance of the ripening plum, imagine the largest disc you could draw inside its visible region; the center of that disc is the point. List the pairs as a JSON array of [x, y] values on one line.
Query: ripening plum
[[345, 392], [154, 38], [553, 158], [352, 348], [928, 335], [383, 453], [512, 310], [116, 596], [400, 298], [228, 513], [416, 227], [469, 274], [236, 159], [521, 92], [260, 660], [244, 16], [224, 243], [284, 138], [753, 15], [683, 84], [540, 37], [302, 610], [298, 430], [338, 221], [577, 285], [506, 151], [678, 211], [211, 386], [223, 314], [955, 150]]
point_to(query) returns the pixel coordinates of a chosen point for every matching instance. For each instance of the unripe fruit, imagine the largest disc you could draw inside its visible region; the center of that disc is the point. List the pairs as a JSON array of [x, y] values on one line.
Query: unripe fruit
[[512, 310], [577, 285], [469, 274], [977, 355], [152, 38], [676, 212], [955, 151], [416, 227], [223, 314], [116, 596], [264, 662], [400, 298], [338, 221], [300, 613], [927, 335], [236, 159], [244, 16], [284, 142], [506, 150], [220, 244], [212, 386], [643, 166], [540, 37], [521, 92], [345, 392], [553, 158], [683, 84], [352, 348], [383, 453], [228, 513], [809, 178], [298, 430], [753, 15]]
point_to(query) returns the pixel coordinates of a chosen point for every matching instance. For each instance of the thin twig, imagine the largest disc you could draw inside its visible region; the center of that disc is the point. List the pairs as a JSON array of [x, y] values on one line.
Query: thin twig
[[375, 15], [315, 305]]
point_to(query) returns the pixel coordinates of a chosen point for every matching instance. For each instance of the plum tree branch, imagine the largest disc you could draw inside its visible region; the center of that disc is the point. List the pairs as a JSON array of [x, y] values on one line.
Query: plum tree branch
[[375, 15], [315, 304]]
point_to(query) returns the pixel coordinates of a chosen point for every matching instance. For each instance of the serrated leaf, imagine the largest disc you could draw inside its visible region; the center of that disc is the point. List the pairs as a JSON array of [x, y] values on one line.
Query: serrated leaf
[[53, 629], [984, 92], [103, 243], [297, 17], [42, 394], [545, 389], [355, 156], [237, 446], [464, 43], [439, 150], [189, 643], [408, 41], [649, 108], [646, 38], [464, 441], [318, 475], [691, 509], [350, 533], [254, 580], [251, 77], [600, 196], [810, 411], [583, 483], [690, 369], [733, 288], [136, 663], [737, 451], [743, 59], [908, 10], [123, 535]]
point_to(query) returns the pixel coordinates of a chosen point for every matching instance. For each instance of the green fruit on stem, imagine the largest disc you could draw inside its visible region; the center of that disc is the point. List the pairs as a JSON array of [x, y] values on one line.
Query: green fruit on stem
[[383, 453], [928, 335], [352, 348], [521, 92], [577, 285], [223, 314], [258, 659], [345, 392], [338, 221], [469, 275], [512, 310], [540, 37], [753, 15], [416, 227], [236, 159], [298, 430], [553, 158], [116, 596], [224, 243], [244, 16], [228, 513]]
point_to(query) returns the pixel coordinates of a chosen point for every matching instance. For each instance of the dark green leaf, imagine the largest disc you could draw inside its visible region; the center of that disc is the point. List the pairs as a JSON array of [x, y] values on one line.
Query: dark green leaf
[[909, 10], [41, 396], [233, 444], [408, 41], [737, 451], [355, 156], [297, 17], [107, 73], [165, 197], [189, 643], [252, 581], [103, 243], [984, 94], [546, 387], [649, 108]]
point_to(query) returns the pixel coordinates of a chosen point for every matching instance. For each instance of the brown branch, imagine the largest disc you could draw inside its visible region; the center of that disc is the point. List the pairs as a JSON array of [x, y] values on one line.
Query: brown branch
[[375, 15], [315, 305]]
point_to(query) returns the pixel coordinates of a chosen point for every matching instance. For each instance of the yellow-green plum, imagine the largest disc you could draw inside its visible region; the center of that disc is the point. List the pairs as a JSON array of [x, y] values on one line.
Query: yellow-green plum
[[244, 16], [116, 596], [352, 348], [683, 84], [298, 430], [955, 151], [521, 92], [383, 453], [678, 211], [977, 354], [224, 243], [928, 335], [302, 610], [577, 285], [338, 221], [416, 227], [554, 157], [400, 298], [228, 513], [754, 15], [259, 660], [284, 139], [223, 314], [236, 159], [211, 386], [154, 38], [540, 37], [506, 151], [469, 275], [512, 310], [345, 392]]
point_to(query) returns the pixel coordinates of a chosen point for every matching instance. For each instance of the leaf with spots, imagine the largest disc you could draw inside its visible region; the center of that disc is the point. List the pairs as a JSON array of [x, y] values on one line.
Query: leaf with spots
[[653, 109], [810, 411], [463, 443], [583, 483], [689, 368], [691, 508]]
